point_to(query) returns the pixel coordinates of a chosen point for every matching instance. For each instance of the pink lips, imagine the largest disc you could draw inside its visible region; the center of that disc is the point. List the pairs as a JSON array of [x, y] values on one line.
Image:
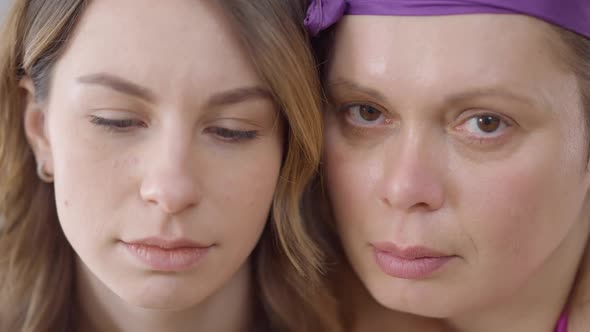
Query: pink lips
[[167, 255], [409, 263]]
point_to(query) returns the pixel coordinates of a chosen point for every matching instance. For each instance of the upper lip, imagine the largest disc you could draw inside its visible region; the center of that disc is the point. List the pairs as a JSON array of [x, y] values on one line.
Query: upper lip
[[173, 243], [410, 252]]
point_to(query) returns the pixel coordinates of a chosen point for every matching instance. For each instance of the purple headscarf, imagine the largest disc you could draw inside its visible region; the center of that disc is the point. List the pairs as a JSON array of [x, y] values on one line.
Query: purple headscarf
[[573, 15]]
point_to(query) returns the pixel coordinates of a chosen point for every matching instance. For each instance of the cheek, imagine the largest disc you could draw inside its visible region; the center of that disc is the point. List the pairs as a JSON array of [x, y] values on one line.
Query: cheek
[[351, 178], [498, 219], [241, 193], [91, 194], [518, 211], [94, 183]]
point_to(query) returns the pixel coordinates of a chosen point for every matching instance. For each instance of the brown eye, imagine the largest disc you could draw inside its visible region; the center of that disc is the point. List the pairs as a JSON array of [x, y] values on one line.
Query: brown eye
[[363, 115], [488, 123], [369, 113], [485, 128]]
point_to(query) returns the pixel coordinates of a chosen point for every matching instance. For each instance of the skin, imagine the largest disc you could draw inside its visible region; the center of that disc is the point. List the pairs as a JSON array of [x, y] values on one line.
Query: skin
[[411, 160], [200, 135], [580, 298]]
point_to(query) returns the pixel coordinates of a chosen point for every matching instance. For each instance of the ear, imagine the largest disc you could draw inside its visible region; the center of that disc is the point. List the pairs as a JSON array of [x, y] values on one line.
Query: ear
[[35, 125]]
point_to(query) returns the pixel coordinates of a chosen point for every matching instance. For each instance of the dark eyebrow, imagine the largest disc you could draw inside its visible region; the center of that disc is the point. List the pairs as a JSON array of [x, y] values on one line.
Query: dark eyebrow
[[491, 92], [238, 95], [122, 85], [353, 86], [118, 84], [450, 100]]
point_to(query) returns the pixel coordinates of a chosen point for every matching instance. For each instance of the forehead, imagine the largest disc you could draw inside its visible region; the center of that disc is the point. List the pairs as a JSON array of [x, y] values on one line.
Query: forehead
[[172, 42], [462, 49]]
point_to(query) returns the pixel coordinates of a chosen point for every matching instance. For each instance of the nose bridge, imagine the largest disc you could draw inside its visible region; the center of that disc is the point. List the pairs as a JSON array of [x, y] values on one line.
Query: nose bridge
[[170, 181], [412, 175], [177, 146]]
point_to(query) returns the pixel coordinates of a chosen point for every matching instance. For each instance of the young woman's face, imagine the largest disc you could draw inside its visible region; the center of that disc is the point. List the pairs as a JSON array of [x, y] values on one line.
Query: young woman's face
[[166, 148], [455, 159]]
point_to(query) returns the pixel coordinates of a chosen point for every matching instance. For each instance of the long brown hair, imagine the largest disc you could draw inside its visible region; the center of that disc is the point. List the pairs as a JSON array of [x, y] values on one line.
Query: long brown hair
[[36, 261]]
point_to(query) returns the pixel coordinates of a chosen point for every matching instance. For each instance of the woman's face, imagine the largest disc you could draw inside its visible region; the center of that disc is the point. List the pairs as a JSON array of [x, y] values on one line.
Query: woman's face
[[166, 148], [455, 159]]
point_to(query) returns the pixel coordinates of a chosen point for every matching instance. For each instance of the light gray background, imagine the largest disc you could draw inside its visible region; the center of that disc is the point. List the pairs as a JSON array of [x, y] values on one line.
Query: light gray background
[[3, 7]]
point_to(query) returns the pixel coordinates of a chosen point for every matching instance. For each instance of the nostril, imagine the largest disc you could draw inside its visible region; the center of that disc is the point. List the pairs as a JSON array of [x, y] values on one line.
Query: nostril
[[422, 206]]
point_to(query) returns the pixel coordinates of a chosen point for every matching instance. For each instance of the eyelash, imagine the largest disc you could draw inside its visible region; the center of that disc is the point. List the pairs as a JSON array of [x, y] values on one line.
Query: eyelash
[[384, 121], [348, 109], [229, 135], [485, 138], [233, 136], [343, 111], [116, 125]]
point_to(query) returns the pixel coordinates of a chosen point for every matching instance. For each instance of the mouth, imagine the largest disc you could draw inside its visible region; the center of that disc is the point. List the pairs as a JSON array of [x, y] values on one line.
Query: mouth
[[167, 255], [415, 262]]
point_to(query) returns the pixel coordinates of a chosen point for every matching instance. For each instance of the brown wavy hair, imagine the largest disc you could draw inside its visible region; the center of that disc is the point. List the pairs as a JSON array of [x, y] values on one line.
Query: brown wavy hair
[[37, 285]]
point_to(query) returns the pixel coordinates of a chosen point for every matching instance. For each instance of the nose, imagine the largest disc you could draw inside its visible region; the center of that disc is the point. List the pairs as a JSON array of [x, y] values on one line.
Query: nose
[[170, 182], [413, 176]]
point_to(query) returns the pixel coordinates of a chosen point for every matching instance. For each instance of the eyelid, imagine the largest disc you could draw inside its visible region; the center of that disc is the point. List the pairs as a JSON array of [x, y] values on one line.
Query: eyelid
[[475, 112], [232, 135], [386, 116], [345, 106], [503, 132], [474, 118], [117, 124]]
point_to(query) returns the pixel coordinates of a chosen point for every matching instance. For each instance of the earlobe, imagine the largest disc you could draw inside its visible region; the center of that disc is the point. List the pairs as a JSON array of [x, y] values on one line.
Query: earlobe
[[34, 120]]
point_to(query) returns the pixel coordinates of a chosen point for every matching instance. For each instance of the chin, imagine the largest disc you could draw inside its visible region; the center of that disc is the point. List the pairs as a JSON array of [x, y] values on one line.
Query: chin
[[164, 302], [429, 310], [162, 296], [415, 300]]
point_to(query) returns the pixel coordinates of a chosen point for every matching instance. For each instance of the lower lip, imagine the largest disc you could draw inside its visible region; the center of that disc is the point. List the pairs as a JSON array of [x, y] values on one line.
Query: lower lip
[[167, 260], [404, 268]]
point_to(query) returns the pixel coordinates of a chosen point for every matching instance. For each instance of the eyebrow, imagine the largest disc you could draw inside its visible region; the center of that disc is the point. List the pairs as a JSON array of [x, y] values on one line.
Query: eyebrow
[[350, 85], [225, 98], [453, 99], [118, 84], [491, 92], [238, 95]]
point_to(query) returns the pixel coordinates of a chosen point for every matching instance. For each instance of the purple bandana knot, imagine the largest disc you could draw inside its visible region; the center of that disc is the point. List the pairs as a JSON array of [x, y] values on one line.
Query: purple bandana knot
[[323, 13]]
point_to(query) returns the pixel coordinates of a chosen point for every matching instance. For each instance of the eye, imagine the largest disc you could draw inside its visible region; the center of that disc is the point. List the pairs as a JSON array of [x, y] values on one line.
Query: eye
[[117, 124], [234, 136], [363, 115], [484, 126], [488, 123]]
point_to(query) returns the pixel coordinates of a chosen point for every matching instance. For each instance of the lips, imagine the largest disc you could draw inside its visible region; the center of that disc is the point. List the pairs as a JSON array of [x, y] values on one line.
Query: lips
[[167, 255], [415, 262]]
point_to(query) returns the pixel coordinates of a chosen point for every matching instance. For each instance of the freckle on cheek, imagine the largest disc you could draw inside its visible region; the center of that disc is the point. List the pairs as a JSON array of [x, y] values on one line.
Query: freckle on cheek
[[67, 203]]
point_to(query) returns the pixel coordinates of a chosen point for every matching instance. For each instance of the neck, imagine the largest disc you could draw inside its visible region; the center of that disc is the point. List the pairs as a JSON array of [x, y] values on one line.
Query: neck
[[229, 309]]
